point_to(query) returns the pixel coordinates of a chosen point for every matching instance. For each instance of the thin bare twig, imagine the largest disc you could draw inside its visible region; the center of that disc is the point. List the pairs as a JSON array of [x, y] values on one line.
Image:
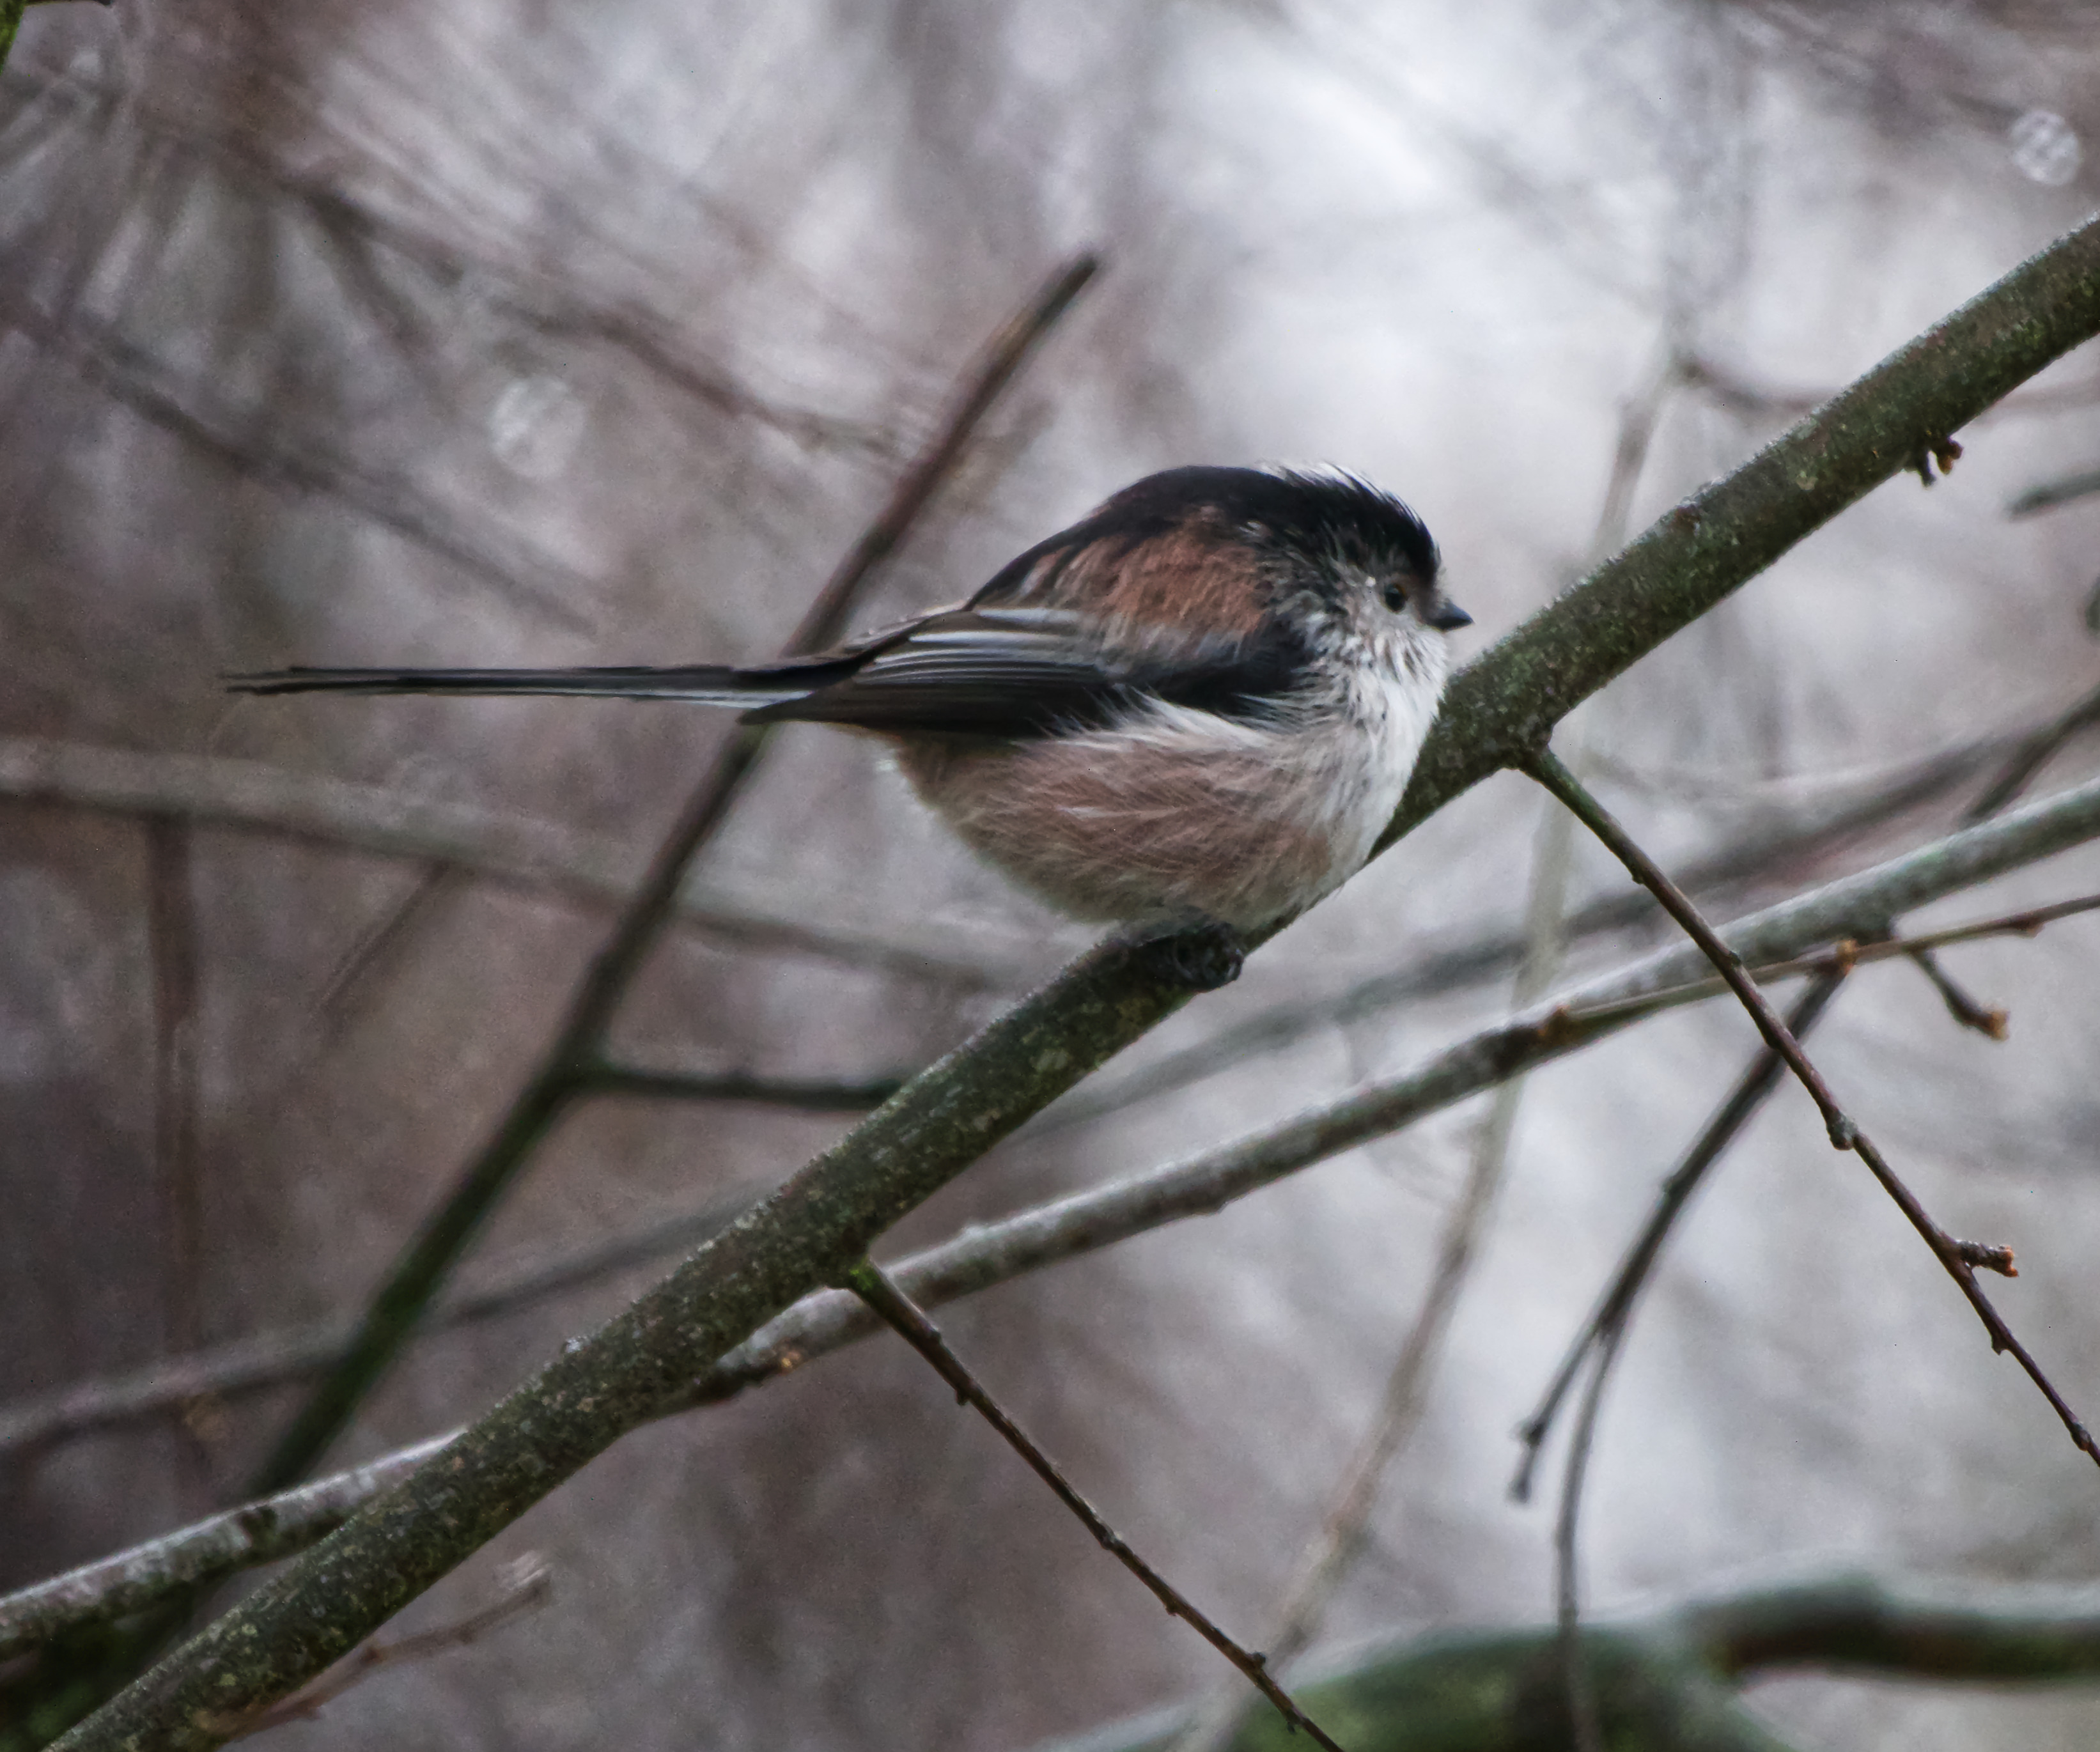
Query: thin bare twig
[[171, 938], [1616, 1305], [1327, 1558], [2035, 751], [562, 1073], [1961, 1258], [2050, 494], [525, 1585], [1582, 1717], [384, 944], [1990, 1020], [813, 1095], [1637, 419], [1602, 1338], [875, 1287], [1846, 954]]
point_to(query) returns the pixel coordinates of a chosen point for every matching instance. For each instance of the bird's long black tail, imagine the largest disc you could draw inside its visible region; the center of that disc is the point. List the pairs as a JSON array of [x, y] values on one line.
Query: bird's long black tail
[[704, 684]]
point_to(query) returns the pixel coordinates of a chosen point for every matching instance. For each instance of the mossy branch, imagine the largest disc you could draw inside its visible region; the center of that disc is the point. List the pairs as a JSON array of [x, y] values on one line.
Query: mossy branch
[[1666, 1680], [1501, 708]]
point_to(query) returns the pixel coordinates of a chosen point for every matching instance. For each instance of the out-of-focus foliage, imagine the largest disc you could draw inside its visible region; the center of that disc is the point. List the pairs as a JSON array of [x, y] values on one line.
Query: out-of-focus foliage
[[495, 333]]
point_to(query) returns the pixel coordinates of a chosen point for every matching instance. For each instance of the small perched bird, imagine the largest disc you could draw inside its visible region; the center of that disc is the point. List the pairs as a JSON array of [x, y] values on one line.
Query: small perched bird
[[1196, 707]]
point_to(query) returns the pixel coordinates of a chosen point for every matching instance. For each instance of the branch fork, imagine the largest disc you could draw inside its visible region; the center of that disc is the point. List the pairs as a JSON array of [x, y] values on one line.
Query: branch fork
[[1962, 1259]]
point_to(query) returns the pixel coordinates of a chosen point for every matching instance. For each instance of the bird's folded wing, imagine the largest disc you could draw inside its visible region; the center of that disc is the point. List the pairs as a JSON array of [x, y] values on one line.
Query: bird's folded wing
[[1027, 672]]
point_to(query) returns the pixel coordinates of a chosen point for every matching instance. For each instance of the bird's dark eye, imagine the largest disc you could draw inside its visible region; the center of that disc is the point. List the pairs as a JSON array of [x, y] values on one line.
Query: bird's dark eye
[[1395, 597]]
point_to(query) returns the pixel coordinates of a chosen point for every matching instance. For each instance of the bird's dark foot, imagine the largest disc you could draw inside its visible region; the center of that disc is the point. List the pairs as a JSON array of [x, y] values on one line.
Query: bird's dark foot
[[1199, 957]]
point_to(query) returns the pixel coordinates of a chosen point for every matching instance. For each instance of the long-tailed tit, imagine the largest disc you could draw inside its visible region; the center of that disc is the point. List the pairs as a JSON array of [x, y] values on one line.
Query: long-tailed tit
[[1197, 706]]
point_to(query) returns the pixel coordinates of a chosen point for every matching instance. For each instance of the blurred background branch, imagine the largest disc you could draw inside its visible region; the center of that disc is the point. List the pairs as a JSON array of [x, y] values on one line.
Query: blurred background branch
[[532, 855], [1670, 1674], [385, 334]]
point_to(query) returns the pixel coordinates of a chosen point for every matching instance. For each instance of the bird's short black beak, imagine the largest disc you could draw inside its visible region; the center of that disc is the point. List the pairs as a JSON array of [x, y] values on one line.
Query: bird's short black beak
[[1447, 616]]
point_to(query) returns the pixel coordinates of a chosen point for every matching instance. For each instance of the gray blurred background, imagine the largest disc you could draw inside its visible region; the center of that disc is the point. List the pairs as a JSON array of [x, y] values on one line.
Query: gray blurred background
[[502, 333]]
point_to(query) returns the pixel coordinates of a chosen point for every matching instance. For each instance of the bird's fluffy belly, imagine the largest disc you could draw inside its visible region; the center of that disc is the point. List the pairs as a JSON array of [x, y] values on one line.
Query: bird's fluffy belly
[[1185, 815]]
